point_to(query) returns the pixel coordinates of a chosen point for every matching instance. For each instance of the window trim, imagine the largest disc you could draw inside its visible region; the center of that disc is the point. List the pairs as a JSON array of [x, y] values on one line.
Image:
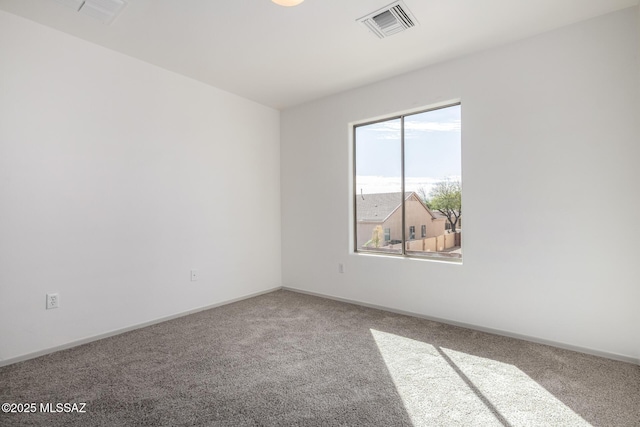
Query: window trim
[[432, 256]]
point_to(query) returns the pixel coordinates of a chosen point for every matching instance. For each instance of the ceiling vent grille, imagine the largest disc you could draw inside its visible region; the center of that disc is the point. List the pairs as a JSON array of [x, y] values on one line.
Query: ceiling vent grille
[[102, 10], [389, 20]]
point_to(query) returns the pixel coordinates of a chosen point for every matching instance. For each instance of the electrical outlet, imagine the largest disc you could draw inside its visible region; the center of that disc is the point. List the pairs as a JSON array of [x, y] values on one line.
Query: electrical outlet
[[53, 301], [194, 275]]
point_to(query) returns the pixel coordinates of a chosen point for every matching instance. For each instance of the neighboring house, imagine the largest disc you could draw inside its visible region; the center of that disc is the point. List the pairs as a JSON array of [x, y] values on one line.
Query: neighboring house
[[384, 209]]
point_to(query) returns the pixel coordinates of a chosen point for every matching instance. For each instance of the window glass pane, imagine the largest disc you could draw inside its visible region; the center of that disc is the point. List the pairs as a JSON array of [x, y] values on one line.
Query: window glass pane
[[433, 172], [378, 187]]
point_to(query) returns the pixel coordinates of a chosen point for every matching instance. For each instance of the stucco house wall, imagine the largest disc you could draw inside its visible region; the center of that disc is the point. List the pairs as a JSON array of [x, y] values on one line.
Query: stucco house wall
[[416, 215]]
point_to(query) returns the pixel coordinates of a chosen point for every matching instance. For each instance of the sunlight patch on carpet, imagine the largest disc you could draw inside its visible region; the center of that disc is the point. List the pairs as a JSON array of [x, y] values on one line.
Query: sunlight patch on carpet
[[519, 399], [432, 392], [445, 387]]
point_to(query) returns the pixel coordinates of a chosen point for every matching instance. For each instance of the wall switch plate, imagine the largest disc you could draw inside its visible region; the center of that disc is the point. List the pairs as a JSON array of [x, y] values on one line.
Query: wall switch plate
[[53, 301], [194, 275], [340, 268]]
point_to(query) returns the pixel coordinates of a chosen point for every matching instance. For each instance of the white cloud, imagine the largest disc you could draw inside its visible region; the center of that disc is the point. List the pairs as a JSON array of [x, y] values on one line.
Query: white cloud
[[451, 126], [409, 125], [384, 184]]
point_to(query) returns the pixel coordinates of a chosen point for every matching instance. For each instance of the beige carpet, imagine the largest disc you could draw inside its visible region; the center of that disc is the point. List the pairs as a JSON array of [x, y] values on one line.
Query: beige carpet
[[291, 359]]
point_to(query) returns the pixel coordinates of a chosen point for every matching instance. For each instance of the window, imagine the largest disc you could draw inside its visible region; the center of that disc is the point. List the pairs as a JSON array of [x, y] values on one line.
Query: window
[[407, 170]]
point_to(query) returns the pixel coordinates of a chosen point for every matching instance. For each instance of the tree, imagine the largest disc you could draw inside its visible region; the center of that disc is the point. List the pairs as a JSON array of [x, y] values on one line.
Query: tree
[[422, 193], [376, 236], [446, 198]]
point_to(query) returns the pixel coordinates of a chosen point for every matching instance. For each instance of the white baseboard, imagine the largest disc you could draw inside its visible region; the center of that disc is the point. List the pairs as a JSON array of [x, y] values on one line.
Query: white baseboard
[[613, 356], [71, 344], [86, 340]]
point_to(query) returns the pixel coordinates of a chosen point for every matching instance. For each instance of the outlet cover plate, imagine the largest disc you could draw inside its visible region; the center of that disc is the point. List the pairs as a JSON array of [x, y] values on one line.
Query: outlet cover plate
[[53, 301]]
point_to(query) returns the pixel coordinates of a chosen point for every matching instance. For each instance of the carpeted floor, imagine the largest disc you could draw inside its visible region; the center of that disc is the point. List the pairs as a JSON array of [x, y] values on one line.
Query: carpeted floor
[[286, 358]]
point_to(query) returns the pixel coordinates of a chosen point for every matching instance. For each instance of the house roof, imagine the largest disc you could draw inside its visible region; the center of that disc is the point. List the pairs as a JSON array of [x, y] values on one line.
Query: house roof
[[379, 206], [438, 214]]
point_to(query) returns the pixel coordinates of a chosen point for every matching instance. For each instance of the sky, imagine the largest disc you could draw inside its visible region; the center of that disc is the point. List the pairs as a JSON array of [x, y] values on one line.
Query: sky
[[432, 152]]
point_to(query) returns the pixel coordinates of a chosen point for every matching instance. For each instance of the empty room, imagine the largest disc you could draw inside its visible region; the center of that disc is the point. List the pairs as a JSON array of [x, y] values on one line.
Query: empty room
[[250, 213]]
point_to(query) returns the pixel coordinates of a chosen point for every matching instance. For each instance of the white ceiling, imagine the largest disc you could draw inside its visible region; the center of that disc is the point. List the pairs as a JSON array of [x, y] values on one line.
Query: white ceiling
[[282, 57]]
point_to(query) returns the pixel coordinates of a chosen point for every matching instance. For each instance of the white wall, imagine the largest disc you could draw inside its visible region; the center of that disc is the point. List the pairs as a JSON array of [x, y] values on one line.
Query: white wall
[[635, 222], [117, 178], [550, 148]]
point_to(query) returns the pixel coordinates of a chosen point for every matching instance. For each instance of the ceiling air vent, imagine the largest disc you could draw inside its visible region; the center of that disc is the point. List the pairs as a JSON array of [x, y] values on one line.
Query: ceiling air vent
[[103, 10], [389, 20], [76, 4]]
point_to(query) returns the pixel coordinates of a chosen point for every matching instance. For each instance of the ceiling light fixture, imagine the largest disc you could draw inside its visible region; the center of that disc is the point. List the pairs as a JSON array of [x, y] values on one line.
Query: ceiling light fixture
[[287, 3]]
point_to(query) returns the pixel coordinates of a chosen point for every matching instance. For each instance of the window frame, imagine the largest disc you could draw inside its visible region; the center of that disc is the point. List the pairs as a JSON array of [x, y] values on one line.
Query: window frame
[[431, 256]]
